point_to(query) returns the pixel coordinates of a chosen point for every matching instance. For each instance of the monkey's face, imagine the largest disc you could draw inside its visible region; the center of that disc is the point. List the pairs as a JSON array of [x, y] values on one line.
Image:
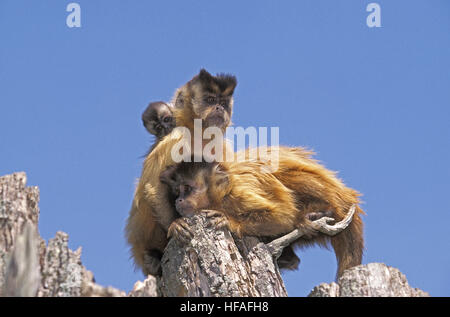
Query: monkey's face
[[213, 98], [216, 110], [158, 119], [192, 195], [188, 187]]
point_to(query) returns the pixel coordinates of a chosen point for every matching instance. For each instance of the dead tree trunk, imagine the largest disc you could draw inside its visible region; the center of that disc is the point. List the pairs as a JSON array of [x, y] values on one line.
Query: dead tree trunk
[[29, 267], [370, 280], [18, 210], [216, 264]]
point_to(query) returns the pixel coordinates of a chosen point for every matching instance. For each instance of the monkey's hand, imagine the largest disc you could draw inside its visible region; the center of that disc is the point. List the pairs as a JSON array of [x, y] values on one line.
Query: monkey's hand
[[180, 230], [216, 219], [276, 246]]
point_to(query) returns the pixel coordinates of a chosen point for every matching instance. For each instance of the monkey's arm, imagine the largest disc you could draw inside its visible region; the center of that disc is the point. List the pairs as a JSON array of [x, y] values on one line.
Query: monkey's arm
[[277, 245]]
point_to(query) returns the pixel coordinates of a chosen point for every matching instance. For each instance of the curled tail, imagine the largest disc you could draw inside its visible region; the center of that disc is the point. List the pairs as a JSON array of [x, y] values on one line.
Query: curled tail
[[349, 244]]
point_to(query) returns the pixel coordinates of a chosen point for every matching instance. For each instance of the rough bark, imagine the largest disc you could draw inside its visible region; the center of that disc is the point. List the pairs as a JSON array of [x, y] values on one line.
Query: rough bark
[[18, 207], [215, 264], [370, 280], [147, 288], [29, 267]]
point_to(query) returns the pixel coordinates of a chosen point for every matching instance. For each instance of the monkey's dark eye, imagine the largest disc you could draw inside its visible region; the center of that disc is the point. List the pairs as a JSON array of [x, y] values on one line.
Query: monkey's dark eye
[[211, 100], [166, 119], [187, 189]]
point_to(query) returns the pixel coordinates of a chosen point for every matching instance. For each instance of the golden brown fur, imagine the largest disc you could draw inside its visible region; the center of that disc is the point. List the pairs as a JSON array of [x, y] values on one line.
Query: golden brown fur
[[273, 204], [281, 200]]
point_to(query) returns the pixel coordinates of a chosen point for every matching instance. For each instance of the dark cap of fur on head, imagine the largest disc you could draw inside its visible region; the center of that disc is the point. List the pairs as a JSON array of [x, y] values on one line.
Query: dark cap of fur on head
[[192, 169], [222, 81]]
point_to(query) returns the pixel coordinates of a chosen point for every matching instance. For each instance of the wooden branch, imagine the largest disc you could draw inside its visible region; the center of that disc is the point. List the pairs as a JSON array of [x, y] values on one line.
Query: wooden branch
[[216, 264]]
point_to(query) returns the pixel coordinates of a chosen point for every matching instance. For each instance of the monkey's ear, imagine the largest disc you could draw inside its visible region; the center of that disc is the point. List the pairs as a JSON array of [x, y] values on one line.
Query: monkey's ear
[[220, 175], [232, 82], [179, 100], [204, 76], [145, 119], [148, 123], [166, 177], [227, 83], [146, 114]]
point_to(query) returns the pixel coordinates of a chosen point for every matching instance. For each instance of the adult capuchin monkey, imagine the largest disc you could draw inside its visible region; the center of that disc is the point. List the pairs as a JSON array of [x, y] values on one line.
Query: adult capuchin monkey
[[269, 205], [207, 98]]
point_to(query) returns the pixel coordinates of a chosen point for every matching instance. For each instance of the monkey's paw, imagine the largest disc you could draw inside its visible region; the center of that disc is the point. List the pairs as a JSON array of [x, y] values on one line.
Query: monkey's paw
[[216, 219], [180, 230], [312, 216]]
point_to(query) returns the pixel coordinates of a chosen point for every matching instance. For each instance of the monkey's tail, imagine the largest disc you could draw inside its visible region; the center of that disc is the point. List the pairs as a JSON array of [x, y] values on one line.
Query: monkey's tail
[[348, 245]]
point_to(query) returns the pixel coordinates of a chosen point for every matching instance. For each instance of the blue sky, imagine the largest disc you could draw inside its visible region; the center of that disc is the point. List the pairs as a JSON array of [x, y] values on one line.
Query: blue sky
[[374, 103]]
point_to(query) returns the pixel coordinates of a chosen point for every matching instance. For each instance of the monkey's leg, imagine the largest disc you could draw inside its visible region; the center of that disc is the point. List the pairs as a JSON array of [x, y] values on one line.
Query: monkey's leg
[[320, 214], [276, 246], [152, 262], [288, 260]]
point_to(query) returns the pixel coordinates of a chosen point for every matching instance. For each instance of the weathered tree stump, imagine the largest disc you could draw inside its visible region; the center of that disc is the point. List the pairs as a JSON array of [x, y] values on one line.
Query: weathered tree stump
[[216, 264], [370, 280]]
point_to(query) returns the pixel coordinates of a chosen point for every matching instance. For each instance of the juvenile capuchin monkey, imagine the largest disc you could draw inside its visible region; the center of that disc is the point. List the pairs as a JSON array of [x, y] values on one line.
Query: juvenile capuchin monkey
[[239, 196], [205, 97], [158, 120]]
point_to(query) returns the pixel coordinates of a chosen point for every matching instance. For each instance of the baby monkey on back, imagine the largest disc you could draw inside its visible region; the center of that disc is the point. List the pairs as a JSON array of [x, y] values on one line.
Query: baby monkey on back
[[268, 204], [158, 120]]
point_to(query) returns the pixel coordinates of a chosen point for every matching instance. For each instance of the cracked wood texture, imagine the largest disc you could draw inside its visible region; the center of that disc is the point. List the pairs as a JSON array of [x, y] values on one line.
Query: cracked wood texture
[[29, 267], [370, 280], [216, 264], [18, 207]]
